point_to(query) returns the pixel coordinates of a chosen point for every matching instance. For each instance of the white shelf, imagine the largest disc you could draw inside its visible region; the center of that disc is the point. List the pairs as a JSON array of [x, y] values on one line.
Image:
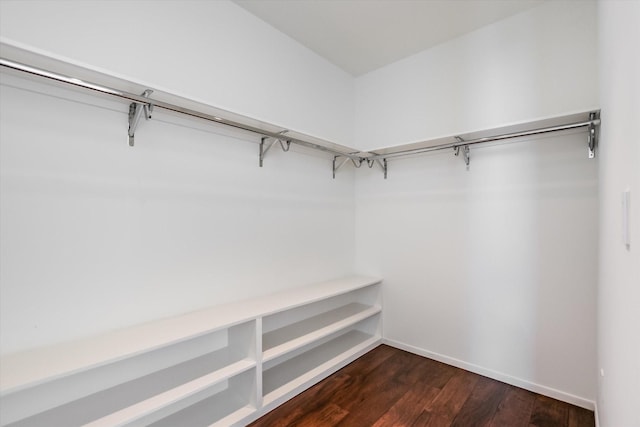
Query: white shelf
[[153, 378], [228, 407], [299, 334], [30, 368], [171, 401], [236, 418], [207, 368], [200, 414], [297, 373], [149, 397]]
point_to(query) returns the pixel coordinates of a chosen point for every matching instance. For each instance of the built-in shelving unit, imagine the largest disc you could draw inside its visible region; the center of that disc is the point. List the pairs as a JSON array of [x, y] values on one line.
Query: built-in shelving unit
[[223, 366], [301, 345], [286, 379]]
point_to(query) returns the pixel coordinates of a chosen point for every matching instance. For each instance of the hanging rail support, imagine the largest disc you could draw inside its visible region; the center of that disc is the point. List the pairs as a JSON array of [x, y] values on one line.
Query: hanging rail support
[[131, 97], [456, 148], [337, 165], [264, 148], [285, 145], [501, 137], [135, 111], [382, 163], [593, 124], [466, 155], [592, 138]]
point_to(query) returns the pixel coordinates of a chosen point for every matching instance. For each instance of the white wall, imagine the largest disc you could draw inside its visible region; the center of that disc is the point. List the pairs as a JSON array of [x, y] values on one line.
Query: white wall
[[96, 235], [619, 278], [494, 268], [535, 64], [212, 51]]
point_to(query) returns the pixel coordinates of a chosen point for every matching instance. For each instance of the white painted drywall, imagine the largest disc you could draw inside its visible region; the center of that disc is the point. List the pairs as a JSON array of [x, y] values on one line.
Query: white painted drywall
[[212, 51], [96, 235], [619, 275], [494, 268], [536, 64]]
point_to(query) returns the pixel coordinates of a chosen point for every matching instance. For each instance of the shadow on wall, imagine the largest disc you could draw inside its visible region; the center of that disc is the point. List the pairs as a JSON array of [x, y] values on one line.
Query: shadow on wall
[[494, 266], [531, 253]]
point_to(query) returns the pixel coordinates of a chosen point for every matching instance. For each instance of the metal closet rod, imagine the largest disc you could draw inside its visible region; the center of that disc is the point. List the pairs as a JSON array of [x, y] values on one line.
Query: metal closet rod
[[138, 99], [370, 157], [462, 143]]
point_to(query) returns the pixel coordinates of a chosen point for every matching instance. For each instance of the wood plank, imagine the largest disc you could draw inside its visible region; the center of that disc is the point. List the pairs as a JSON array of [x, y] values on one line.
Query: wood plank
[[482, 404], [450, 400], [410, 406], [376, 392], [309, 401], [323, 392], [326, 416], [390, 387], [284, 416], [548, 412], [438, 374], [580, 417], [423, 419], [423, 385], [515, 409]]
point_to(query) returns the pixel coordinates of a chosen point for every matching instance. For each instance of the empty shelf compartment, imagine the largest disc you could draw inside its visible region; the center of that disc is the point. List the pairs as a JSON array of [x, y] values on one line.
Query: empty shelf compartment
[[171, 401], [301, 333], [307, 367], [142, 396], [230, 406]]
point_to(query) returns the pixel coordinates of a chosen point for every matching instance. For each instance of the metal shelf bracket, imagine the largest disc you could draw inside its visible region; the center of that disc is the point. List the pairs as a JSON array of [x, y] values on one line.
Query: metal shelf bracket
[[382, 164], [142, 104], [135, 111], [338, 164], [466, 155], [264, 146], [592, 137]]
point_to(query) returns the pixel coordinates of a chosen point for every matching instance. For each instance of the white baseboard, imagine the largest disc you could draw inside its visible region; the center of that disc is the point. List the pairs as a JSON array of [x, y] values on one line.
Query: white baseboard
[[536, 388], [595, 413]]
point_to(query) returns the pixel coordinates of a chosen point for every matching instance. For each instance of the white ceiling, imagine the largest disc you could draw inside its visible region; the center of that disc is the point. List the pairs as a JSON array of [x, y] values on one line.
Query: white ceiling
[[362, 35]]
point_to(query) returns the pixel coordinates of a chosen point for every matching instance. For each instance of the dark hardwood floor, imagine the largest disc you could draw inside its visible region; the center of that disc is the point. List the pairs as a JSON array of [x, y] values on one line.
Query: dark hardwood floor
[[390, 387]]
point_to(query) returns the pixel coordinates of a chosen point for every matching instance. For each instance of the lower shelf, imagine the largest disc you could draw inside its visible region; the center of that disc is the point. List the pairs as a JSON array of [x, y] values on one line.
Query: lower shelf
[[171, 401], [288, 338], [230, 407], [294, 374], [130, 403], [218, 378]]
